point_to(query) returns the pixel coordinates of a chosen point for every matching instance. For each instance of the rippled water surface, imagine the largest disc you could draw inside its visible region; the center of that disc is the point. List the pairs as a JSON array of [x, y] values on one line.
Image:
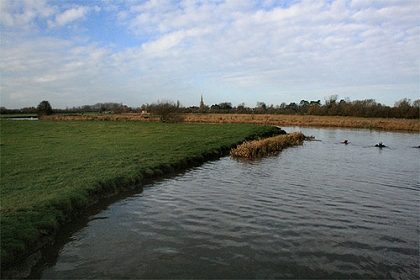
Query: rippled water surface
[[321, 210]]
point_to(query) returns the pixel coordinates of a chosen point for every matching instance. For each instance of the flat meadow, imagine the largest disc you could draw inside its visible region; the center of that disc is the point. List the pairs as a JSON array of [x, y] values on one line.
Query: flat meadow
[[51, 170]]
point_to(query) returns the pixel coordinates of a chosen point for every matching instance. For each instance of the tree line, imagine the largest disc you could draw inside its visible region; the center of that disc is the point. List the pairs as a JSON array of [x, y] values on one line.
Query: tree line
[[169, 110], [367, 108], [44, 108]]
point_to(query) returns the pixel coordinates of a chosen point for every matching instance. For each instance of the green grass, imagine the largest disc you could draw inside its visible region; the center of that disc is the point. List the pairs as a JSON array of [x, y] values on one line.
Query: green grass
[[51, 170]]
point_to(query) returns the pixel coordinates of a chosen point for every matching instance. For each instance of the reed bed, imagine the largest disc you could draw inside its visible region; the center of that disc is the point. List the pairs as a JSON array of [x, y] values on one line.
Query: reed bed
[[268, 146], [391, 124]]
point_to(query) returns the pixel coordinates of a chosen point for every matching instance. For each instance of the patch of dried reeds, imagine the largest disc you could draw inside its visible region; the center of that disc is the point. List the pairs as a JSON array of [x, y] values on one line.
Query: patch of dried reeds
[[267, 146], [390, 124], [280, 120]]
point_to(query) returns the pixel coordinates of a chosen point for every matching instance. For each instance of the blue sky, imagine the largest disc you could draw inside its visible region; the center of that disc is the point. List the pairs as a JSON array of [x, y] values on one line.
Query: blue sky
[[74, 53]]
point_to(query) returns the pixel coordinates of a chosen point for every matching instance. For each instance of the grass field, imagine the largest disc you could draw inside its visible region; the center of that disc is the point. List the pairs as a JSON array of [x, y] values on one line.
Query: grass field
[[51, 170]]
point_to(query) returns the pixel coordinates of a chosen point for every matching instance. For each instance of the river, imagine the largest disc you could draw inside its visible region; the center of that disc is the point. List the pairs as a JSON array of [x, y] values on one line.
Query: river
[[321, 210]]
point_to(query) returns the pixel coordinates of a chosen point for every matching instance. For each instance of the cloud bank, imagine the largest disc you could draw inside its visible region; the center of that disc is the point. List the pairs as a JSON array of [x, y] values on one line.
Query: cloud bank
[[137, 52]]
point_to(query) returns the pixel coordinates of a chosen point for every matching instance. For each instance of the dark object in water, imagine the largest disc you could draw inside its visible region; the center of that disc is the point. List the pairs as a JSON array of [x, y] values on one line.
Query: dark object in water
[[380, 145], [281, 131], [345, 142]]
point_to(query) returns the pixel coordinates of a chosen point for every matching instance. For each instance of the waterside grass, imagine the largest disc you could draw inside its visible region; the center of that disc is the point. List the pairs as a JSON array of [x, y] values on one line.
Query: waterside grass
[[50, 171], [269, 146]]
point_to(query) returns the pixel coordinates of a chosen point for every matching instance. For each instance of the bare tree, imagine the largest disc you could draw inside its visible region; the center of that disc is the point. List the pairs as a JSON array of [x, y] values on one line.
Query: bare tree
[[168, 111]]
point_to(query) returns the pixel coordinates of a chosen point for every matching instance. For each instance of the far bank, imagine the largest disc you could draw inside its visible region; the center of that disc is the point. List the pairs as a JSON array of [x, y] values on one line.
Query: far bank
[[390, 124], [412, 125]]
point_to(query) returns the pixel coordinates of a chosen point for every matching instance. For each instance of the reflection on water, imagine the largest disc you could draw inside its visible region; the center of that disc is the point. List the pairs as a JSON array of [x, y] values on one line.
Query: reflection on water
[[322, 210], [23, 119]]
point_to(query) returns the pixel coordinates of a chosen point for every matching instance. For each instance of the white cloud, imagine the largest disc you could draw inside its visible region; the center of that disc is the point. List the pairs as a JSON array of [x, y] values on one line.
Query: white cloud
[[246, 51], [23, 13], [69, 15]]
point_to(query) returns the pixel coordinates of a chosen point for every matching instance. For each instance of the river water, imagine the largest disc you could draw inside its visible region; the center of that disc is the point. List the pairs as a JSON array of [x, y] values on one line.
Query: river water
[[321, 210]]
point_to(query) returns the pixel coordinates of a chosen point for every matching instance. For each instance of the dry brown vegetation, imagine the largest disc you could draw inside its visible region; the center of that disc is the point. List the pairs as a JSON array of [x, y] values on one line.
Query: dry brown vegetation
[[306, 121], [280, 120], [267, 146]]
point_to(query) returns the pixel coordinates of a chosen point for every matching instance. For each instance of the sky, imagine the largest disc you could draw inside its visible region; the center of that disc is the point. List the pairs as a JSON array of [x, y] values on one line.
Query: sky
[[74, 53]]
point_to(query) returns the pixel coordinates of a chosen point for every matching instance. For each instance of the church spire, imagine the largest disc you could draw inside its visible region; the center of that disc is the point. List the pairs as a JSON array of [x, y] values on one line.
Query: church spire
[[201, 103]]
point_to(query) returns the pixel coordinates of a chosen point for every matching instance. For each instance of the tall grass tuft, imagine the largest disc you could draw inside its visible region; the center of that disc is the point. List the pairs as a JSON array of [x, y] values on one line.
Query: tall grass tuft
[[268, 146]]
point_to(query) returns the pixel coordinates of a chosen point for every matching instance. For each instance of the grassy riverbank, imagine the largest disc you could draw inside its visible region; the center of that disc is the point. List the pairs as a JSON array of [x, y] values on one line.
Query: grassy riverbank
[[53, 170]]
